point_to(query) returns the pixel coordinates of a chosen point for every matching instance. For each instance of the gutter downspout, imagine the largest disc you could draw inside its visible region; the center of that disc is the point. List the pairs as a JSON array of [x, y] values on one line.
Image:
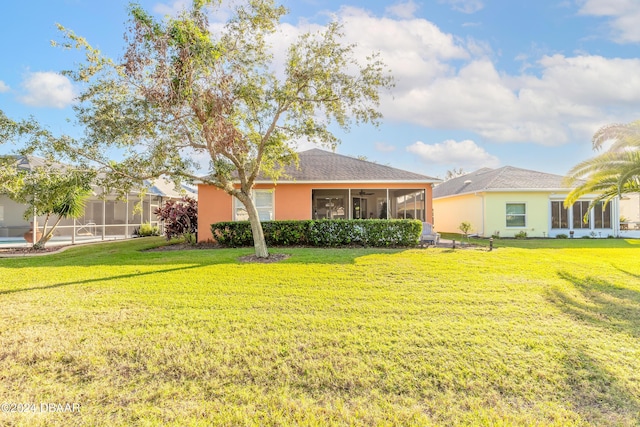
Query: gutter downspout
[[482, 205]]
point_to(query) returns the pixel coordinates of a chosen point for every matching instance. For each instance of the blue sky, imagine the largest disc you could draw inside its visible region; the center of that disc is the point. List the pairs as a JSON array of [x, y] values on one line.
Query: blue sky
[[479, 83]]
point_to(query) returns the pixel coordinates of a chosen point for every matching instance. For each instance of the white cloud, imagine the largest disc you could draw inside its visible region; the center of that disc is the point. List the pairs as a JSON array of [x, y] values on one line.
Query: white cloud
[[47, 89], [465, 154], [415, 49], [445, 82], [623, 15], [384, 148], [171, 9], [403, 10], [465, 6], [218, 12], [591, 80], [4, 87]]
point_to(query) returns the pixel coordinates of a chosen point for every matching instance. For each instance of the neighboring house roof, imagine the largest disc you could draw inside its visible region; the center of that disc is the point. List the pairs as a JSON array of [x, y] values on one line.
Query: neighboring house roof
[[317, 165], [30, 162], [166, 188], [158, 187], [507, 178]]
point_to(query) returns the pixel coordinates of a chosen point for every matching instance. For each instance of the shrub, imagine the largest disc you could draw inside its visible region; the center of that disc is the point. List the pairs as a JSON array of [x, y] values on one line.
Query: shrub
[[322, 233], [147, 229], [561, 236], [180, 218], [521, 235], [285, 233], [465, 227], [190, 238]]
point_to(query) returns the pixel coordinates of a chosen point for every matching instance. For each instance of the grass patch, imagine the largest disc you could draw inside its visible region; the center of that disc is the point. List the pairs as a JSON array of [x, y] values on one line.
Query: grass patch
[[517, 336]]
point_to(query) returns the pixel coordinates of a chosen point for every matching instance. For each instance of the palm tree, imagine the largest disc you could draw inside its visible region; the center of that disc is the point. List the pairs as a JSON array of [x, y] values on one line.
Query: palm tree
[[70, 203], [612, 173]]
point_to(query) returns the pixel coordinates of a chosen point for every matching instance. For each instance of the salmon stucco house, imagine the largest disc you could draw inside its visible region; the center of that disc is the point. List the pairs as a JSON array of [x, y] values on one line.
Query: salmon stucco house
[[510, 201], [325, 185]]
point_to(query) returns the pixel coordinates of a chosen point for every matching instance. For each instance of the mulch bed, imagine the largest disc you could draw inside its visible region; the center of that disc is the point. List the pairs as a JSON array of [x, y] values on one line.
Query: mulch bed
[[272, 258]]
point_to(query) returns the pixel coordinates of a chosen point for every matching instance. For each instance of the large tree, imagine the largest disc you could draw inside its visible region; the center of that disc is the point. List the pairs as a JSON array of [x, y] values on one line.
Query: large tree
[[184, 90], [613, 172]]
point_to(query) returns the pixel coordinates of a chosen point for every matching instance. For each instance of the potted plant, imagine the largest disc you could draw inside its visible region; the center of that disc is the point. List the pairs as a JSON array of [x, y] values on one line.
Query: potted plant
[[28, 236]]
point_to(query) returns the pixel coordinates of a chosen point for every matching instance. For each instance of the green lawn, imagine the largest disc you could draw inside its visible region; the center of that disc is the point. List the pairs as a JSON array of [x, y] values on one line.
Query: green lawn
[[528, 335]]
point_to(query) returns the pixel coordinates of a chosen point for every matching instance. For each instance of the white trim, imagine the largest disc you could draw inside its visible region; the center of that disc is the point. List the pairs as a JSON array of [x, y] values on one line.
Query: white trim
[[365, 181]]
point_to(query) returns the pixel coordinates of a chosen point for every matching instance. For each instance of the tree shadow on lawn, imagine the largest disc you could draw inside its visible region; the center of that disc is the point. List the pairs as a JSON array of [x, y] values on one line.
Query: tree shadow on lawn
[[99, 279], [597, 394], [637, 276], [601, 303]]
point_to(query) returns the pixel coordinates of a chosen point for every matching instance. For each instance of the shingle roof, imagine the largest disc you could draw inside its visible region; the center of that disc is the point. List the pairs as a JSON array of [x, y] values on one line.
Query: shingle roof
[[166, 188], [505, 178], [158, 187], [323, 166], [32, 162]]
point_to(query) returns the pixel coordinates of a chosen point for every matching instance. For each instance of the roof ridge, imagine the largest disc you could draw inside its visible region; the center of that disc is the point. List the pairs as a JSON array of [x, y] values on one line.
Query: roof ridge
[[352, 158], [356, 162], [499, 173], [535, 171]]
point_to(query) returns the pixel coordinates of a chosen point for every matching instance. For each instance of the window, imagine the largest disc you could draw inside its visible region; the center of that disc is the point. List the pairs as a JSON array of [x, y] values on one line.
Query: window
[[264, 203], [559, 215], [602, 216], [516, 215], [263, 199], [580, 209]]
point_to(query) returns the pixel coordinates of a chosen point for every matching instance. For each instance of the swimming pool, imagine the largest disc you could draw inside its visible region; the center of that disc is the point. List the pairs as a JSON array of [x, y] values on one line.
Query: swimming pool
[[9, 240]]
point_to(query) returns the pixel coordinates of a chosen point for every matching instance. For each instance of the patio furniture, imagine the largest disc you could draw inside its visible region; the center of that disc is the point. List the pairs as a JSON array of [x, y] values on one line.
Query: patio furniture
[[429, 236]]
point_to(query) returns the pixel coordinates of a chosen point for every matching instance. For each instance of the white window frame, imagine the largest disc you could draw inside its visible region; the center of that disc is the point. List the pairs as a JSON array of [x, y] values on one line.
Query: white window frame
[[524, 215], [237, 204]]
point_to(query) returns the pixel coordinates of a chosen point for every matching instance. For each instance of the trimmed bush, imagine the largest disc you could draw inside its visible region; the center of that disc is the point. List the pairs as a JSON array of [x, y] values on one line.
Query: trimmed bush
[[521, 235], [233, 234], [147, 230], [322, 233]]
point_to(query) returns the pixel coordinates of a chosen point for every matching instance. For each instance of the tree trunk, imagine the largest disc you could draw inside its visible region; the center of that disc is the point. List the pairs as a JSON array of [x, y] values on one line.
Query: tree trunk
[[47, 234], [259, 243]]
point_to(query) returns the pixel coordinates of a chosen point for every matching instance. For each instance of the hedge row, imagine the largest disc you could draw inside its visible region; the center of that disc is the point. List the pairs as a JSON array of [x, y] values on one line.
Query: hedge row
[[324, 232]]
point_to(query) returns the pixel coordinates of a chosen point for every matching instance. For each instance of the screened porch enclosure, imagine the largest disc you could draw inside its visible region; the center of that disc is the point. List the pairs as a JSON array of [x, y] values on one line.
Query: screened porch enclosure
[[580, 220], [111, 218], [368, 203]]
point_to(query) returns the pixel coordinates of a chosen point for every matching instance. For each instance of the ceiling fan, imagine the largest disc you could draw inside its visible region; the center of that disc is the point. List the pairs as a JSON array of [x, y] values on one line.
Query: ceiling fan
[[364, 193]]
